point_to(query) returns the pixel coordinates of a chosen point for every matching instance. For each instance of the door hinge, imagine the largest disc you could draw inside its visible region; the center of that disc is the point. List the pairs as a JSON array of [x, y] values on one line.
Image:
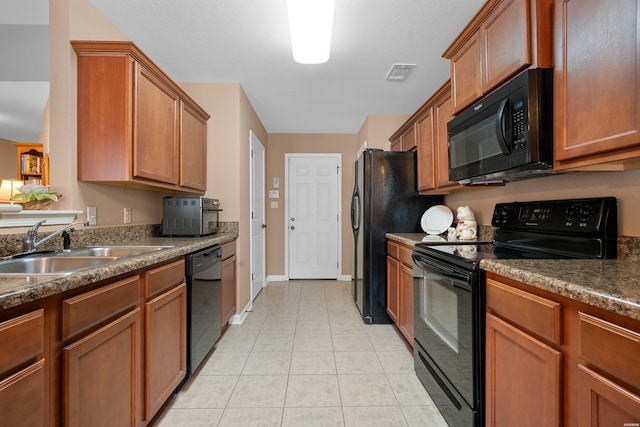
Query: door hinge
[[252, 154], [251, 214], [252, 277]]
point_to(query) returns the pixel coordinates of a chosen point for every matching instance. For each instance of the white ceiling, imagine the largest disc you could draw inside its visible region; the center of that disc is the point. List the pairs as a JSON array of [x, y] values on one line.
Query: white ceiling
[[247, 41]]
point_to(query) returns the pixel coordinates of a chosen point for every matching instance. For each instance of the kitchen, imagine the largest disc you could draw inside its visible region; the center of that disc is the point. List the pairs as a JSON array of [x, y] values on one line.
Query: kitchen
[[215, 98]]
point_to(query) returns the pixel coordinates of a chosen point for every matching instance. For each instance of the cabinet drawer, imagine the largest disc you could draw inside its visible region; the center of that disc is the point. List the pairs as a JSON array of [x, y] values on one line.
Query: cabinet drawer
[[405, 255], [611, 348], [21, 339], [22, 397], [536, 314], [228, 249], [162, 278], [92, 308], [393, 249]]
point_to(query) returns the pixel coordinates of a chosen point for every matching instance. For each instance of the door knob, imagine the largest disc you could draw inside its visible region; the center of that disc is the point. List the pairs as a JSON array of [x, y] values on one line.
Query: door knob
[[293, 227], [264, 225]]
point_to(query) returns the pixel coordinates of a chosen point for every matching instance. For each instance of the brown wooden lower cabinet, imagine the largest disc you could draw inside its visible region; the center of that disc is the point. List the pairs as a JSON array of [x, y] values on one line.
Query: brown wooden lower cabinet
[[400, 288], [165, 347], [23, 370], [108, 354], [30, 385], [551, 360], [101, 375], [523, 377], [228, 282], [393, 288]]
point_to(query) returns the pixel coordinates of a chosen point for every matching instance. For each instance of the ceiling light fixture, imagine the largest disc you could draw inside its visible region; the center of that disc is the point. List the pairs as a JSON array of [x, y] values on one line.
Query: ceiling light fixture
[[311, 24]]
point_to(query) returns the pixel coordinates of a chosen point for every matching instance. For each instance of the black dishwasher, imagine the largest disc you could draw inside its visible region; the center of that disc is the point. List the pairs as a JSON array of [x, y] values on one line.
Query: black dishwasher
[[203, 304]]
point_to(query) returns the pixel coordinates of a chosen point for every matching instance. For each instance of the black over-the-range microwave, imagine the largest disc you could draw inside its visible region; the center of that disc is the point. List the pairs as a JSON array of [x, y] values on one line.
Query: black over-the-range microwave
[[507, 135]]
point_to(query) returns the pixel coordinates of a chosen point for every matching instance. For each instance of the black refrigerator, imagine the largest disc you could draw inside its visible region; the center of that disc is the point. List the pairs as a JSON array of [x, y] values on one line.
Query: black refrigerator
[[384, 200]]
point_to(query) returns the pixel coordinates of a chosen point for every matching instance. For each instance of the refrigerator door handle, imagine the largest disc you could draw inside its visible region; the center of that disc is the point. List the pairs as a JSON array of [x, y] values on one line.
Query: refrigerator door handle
[[355, 212]]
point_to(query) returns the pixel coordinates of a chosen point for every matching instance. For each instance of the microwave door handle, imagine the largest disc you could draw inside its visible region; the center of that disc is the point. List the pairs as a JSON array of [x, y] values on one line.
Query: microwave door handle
[[503, 127]]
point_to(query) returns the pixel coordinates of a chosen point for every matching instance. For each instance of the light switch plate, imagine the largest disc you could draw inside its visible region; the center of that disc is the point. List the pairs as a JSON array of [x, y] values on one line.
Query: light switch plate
[[91, 215], [274, 194]]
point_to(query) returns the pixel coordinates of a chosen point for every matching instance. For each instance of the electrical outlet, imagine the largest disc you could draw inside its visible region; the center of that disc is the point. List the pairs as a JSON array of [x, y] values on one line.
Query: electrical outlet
[[91, 215], [127, 215]]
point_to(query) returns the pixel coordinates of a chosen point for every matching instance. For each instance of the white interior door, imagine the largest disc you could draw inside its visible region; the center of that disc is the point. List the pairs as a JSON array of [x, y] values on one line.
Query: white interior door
[[313, 216], [258, 223]]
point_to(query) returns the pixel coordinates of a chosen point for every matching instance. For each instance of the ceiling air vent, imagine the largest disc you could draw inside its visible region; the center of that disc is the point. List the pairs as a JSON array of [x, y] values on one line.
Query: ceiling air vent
[[399, 72]]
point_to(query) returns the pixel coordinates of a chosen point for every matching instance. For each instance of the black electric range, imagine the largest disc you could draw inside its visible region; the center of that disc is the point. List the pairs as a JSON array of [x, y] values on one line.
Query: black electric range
[[449, 290]]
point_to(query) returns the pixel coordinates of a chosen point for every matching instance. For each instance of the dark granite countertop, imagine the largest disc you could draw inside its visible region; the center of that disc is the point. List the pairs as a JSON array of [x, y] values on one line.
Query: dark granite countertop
[[17, 290], [612, 285]]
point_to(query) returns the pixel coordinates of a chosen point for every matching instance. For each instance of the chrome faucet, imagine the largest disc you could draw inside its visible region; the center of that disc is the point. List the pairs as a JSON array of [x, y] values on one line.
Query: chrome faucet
[[30, 242]]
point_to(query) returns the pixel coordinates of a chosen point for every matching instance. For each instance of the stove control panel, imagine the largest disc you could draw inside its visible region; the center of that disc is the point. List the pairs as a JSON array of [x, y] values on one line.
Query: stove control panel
[[582, 216]]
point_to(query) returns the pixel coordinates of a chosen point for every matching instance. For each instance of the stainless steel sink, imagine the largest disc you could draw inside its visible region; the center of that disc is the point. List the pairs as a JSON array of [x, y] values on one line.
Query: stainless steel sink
[[72, 261], [52, 264], [113, 251]]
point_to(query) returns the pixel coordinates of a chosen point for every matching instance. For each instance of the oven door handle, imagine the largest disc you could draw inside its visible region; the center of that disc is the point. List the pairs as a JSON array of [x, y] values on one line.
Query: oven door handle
[[430, 264]]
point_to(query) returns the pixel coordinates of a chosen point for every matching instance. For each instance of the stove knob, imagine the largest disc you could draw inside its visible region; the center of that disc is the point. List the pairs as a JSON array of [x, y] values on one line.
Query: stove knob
[[571, 213], [586, 212]]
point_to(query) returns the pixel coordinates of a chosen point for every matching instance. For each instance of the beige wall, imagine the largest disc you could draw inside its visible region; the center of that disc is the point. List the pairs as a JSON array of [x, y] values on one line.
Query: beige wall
[[625, 186], [280, 144], [79, 20], [249, 121], [377, 129], [232, 117]]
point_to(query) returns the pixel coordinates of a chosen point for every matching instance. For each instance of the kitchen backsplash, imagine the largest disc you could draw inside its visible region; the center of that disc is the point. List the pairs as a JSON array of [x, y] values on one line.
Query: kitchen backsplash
[[11, 244]]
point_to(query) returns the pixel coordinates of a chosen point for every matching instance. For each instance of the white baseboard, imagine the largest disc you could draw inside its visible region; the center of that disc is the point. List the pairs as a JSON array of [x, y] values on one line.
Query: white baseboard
[[283, 278], [237, 319]]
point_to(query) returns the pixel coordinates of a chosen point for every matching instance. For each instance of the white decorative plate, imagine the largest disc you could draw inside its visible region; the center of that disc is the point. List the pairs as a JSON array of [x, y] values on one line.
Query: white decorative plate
[[437, 219]]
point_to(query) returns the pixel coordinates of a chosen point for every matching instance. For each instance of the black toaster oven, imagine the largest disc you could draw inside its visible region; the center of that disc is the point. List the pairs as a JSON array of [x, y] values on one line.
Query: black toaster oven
[[190, 216]]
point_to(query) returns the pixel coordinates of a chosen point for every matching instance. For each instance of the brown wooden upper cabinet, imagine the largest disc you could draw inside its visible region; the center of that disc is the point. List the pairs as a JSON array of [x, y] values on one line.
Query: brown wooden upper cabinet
[[428, 127], [504, 37], [596, 80], [136, 127]]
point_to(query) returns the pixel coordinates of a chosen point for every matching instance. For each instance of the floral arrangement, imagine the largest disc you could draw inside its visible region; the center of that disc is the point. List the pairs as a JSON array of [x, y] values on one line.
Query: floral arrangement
[[36, 197]]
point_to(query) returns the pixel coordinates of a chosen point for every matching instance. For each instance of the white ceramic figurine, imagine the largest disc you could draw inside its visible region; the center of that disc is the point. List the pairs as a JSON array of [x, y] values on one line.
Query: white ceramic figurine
[[467, 227]]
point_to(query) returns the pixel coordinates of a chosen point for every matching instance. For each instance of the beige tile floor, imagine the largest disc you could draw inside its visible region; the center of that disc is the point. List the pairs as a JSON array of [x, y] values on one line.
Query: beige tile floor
[[304, 357]]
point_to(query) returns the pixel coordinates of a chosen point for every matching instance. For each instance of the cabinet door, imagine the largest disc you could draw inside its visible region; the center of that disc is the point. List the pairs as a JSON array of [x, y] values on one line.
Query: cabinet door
[[193, 148], [596, 77], [22, 397], [155, 130], [396, 144], [505, 39], [101, 376], [523, 378], [409, 139], [406, 302], [465, 74], [165, 347], [425, 134], [393, 282], [443, 113], [605, 403], [228, 288]]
